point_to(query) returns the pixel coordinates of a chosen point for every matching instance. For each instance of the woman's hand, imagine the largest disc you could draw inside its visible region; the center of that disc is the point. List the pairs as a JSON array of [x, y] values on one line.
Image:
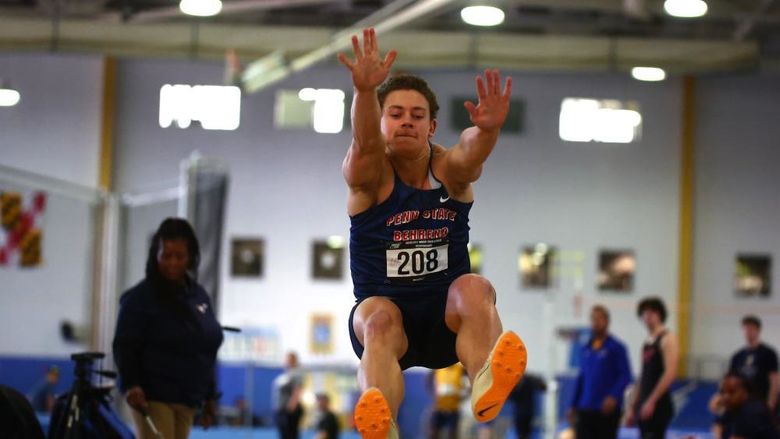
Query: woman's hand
[[369, 70], [209, 415], [136, 398]]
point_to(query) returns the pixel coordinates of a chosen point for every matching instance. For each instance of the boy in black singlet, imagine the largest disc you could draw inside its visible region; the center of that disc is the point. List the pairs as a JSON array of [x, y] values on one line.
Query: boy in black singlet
[[652, 408], [408, 202]]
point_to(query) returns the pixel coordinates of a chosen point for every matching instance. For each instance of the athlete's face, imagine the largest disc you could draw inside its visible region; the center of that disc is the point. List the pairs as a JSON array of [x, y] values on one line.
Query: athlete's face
[[406, 121], [651, 319]]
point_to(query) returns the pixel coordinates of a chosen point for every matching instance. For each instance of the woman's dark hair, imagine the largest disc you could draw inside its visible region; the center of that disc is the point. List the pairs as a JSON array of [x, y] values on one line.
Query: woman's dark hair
[[653, 304], [408, 82], [172, 229]]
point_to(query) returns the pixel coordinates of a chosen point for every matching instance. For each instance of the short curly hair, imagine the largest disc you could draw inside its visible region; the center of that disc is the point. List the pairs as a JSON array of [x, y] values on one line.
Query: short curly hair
[[409, 82], [654, 304]]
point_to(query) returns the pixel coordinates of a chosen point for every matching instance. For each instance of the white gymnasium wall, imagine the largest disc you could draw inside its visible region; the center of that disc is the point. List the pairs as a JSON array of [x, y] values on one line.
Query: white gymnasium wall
[[53, 131], [737, 207], [55, 128], [580, 198], [286, 187], [34, 301]]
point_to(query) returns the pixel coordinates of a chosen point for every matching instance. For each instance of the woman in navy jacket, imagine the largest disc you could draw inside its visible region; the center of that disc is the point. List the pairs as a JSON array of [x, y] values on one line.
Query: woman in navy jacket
[[167, 337]]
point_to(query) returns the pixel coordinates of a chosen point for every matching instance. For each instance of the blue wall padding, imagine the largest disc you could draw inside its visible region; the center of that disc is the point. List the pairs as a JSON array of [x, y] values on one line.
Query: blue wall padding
[[565, 393], [24, 373], [692, 412]]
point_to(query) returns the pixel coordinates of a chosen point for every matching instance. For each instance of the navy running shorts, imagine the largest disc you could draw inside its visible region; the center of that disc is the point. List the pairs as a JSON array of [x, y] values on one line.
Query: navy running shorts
[[431, 343]]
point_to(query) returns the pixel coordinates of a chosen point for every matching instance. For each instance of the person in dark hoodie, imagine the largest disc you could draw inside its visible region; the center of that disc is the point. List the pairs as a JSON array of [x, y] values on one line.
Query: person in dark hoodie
[[167, 338]]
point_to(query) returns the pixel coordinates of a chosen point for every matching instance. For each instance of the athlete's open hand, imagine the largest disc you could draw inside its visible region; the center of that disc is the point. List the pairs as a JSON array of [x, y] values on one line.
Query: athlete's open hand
[[369, 70], [493, 106]]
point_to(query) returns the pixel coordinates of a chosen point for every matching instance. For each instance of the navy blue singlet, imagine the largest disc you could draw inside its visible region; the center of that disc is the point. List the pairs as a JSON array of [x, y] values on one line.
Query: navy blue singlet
[[414, 244]]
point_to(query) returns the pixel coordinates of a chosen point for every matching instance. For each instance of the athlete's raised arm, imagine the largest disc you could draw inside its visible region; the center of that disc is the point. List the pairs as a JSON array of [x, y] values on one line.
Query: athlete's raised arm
[[464, 160], [366, 156]]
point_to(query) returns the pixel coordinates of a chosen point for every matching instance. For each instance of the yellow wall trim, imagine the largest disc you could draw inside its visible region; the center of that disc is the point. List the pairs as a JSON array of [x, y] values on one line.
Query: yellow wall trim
[[685, 242], [105, 171]]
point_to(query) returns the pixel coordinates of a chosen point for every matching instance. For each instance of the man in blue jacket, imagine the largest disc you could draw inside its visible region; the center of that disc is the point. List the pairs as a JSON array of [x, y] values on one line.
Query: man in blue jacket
[[602, 380]]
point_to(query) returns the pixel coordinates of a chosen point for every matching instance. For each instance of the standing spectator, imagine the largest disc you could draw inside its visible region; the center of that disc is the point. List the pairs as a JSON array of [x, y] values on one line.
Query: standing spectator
[[746, 417], [652, 408], [43, 395], [167, 338], [605, 372], [524, 399], [757, 362], [288, 388], [327, 423], [449, 389]]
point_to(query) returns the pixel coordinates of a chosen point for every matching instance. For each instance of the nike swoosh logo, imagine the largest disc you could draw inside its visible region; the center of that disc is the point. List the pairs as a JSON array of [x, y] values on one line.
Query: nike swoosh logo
[[444, 199], [482, 412]]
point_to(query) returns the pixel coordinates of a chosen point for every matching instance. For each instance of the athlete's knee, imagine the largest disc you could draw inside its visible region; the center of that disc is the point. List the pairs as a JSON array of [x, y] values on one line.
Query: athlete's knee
[[382, 323], [472, 289]]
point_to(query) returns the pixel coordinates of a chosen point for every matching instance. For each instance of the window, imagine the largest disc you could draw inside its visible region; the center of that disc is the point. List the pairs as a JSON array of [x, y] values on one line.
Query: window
[[215, 107], [321, 109], [593, 120]]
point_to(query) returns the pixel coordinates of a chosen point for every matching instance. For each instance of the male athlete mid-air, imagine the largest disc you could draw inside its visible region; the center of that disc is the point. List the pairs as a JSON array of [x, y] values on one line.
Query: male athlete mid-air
[[409, 201]]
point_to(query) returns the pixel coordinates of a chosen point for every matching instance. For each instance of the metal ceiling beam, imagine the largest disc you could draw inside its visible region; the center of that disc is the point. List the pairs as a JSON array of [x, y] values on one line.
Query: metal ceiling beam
[[254, 79], [746, 25], [718, 9], [421, 49], [228, 8]]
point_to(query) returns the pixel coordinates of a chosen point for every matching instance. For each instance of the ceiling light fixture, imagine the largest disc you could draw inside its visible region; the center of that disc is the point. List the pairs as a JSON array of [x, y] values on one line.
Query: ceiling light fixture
[[685, 8], [648, 74], [8, 96], [201, 8], [482, 15]]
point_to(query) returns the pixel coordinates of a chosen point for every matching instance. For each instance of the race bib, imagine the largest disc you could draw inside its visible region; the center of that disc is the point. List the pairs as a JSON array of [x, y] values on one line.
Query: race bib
[[417, 260]]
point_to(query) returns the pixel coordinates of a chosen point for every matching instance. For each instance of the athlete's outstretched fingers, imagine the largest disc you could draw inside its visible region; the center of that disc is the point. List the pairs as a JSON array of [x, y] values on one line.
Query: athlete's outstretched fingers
[[497, 82], [374, 46], [488, 82], [481, 93], [366, 41], [470, 107], [508, 87], [344, 60], [356, 48], [390, 58]]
